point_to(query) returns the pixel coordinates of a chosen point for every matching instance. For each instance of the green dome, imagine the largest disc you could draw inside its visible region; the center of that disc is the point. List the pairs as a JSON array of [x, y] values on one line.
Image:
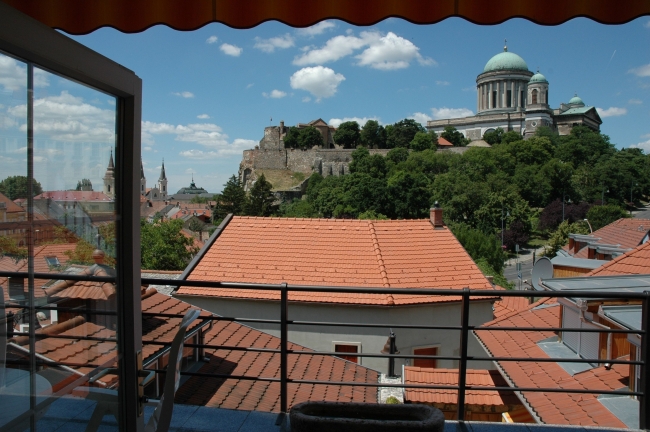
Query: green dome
[[505, 61], [538, 78], [575, 100]]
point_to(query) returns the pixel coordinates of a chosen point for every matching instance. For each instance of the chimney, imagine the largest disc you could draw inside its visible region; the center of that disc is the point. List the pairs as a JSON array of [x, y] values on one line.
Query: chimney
[[436, 216]]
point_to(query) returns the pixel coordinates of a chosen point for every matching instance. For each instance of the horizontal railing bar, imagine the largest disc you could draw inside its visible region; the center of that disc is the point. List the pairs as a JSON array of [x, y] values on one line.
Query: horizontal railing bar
[[344, 324], [556, 329], [63, 309], [59, 276], [69, 337]]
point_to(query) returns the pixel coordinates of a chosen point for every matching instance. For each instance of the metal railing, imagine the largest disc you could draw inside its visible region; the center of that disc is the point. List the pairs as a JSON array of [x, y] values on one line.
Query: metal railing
[[466, 296]]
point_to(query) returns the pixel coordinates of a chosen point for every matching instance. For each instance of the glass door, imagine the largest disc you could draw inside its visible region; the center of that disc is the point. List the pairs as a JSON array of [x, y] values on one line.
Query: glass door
[[70, 316]]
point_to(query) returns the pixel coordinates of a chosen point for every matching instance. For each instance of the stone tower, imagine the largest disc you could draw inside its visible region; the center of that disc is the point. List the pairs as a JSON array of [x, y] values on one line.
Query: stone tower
[[162, 182], [143, 180], [538, 111], [109, 178]]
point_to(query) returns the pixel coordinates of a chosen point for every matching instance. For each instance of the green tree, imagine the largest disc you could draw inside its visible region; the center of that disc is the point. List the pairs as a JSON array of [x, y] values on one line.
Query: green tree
[[292, 138], [261, 199], [15, 187], [163, 245], [9, 247], [603, 215], [397, 155], [372, 215], [199, 200], [195, 225], [494, 136], [364, 162], [408, 195], [479, 245], [453, 136], [560, 237], [373, 135], [298, 208], [422, 141], [402, 133], [231, 200], [583, 146], [310, 137], [347, 134]]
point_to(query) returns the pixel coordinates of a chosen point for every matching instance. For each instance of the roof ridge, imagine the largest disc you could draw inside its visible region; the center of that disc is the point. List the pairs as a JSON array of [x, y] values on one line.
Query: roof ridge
[[380, 260], [618, 259]]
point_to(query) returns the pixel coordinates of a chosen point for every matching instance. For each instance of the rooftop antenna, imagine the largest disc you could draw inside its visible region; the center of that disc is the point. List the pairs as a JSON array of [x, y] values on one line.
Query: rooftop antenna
[[505, 45]]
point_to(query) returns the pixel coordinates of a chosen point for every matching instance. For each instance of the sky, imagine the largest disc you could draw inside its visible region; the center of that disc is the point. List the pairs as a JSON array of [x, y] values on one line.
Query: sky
[[208, 94]]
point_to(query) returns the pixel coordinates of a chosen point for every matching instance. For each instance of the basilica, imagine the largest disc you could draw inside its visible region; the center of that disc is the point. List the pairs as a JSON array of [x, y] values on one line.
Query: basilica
[[511, 97]]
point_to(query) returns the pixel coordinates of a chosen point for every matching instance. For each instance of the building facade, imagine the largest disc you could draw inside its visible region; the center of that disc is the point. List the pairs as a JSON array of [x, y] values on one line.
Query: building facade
[[511, 97]]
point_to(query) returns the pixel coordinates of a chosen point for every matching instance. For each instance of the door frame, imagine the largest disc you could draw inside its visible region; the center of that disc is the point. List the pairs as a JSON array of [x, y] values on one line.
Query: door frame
[[33, 42]]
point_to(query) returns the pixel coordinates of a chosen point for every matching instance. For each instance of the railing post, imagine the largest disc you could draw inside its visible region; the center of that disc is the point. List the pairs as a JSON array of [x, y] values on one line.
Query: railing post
[[283, 348], [462, 365], [644, 400]]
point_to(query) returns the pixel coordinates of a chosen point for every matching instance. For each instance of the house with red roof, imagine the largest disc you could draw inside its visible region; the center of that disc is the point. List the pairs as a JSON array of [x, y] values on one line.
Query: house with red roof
[[629, 272], [402, 254]]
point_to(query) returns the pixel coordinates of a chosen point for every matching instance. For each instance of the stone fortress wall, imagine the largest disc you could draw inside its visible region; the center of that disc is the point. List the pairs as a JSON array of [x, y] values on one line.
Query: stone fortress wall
[[271, 155]]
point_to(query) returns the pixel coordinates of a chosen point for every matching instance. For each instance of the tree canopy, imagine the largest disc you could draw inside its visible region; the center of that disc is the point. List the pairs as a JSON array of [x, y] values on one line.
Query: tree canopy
[[261, 200], [15, 187], [402, 133], [373, 135], [348, 134], [163, 245]]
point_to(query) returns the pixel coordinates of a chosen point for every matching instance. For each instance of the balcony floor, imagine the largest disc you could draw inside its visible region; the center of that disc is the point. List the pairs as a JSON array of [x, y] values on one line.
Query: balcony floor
[[72, 414]]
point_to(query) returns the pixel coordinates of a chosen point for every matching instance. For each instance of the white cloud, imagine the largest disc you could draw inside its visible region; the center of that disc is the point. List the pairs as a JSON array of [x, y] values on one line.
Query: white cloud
[[275, 94], [111, 102], [306, 99], [203, 116], [184, 94], [445, 113], [635, 101], [206, 134], [212, 39], [68, 118], [336, 48], [147, 148], [611, 112], [392, 52], [336, 122], [641, 71], [190, 171], [269, 45], [231, 50], [442, 83], [421, 118], [645, 146], [647, 25], [316, 29], [13, 75], [250, 85], [320, 81]]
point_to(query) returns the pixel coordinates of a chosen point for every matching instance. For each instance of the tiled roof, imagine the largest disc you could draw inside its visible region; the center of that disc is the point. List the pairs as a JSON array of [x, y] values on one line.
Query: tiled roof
[[475, 377], [626, 231], [11, 206], [80, 196], [443, 142], [552, 408], [336, 252], [636, 261], [509, 305], [224, 393]]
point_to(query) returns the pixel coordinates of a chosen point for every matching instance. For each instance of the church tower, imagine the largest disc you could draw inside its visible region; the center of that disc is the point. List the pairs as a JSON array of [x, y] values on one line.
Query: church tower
[[538, 111], [109, 178], [143, 180], [162, 182]]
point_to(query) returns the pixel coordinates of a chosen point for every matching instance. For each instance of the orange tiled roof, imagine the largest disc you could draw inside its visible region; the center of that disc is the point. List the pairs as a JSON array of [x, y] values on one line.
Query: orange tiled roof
[[11, 206], [80, 196], [224, 393], [509, 305], [626, 231], [336, 252], [636, 261], [475, 377], [443, 142], [553, 408]]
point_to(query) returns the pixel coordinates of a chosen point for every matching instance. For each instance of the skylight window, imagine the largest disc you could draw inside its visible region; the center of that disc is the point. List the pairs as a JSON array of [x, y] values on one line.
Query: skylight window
[[52, 261]]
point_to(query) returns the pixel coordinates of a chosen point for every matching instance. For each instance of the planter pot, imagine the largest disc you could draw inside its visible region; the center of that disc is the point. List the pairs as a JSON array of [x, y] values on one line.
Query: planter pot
[[362, 417]]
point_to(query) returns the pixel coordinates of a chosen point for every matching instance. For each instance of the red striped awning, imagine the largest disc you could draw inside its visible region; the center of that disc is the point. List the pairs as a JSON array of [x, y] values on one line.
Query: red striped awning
[[131, 16]]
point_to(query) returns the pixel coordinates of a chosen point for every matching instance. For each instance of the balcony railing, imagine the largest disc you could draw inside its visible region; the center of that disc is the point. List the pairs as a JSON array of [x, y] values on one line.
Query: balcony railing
[[464, 328]]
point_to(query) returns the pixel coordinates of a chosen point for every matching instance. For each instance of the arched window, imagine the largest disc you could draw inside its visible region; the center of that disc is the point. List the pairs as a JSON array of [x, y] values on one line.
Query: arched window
[[534, 97]]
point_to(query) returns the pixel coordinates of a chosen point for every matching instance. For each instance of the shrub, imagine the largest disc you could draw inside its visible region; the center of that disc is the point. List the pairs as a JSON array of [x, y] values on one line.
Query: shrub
[[392, 400], [600, 216]]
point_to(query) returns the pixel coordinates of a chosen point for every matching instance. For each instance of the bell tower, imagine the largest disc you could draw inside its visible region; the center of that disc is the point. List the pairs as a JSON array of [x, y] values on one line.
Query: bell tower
[[162, 181], [109, 178]]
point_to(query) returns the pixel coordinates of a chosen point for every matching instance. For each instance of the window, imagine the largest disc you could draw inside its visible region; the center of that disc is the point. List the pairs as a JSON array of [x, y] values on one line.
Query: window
[[586, 345], [534, 97], [522, 99], [16, 288], [52, 261], [347, 348], [425, 363], [494, 99], [509, 98]]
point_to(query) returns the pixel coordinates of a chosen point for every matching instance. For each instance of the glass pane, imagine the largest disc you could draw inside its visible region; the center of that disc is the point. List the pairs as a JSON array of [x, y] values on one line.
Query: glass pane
[[61, 334]]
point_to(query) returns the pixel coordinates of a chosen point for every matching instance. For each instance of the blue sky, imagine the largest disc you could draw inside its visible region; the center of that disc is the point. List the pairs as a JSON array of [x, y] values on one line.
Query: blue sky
[[208, 94]]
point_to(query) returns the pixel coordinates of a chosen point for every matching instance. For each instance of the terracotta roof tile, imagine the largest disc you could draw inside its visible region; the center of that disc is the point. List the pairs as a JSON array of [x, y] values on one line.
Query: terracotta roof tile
[[509, 305], [555, 408], [79, 196], [336, 252], [636, 261], [627, 232], [11, 206], [475, 377]]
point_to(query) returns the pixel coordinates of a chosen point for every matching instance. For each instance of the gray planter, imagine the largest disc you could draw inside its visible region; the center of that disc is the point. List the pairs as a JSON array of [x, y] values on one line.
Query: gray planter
[[362, 417]]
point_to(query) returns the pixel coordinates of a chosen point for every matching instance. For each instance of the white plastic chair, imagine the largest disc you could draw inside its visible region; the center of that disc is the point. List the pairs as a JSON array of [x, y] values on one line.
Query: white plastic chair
[[160, 420]]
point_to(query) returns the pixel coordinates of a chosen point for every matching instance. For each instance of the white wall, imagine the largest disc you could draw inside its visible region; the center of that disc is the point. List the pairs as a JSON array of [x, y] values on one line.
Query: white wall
[[372, 340]]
